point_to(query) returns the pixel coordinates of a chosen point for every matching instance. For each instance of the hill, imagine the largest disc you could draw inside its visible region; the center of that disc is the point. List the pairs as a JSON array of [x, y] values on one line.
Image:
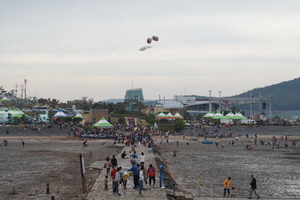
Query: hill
[[285, 95]]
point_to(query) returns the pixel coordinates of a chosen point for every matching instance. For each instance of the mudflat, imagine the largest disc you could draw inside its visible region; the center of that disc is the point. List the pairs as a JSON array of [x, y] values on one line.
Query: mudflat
[[54, 160], [200, 169]]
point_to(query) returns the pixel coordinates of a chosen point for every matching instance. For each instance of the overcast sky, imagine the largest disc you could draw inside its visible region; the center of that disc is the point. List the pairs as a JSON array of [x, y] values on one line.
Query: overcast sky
[[68, 49]]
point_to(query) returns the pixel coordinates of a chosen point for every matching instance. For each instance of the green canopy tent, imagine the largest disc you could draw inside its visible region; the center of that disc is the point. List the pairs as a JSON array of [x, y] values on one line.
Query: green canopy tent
[[230, 115], [79, 116], [209, 114], [4, 99], [218, 115], [160, 116], [238, 115], [178, 116], [103, 123]]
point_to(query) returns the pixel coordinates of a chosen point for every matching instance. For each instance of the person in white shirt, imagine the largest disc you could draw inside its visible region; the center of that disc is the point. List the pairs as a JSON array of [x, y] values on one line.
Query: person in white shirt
[[142, 158], [141, 180]]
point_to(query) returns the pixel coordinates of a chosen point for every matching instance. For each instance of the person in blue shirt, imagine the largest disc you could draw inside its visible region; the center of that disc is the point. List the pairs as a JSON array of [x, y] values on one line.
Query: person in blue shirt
[[135, 171]]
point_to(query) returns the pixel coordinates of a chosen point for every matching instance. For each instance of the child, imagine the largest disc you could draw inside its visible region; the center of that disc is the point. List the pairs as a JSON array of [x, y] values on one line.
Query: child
[[232, 192], [106, 183], [125, 178]]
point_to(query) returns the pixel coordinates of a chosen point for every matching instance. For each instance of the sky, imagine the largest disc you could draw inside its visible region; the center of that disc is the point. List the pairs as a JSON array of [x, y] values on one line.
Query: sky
[[71, 49]]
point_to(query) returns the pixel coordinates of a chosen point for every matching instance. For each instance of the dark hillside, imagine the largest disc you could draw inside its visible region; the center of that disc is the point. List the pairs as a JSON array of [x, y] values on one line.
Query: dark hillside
[[285, 95]]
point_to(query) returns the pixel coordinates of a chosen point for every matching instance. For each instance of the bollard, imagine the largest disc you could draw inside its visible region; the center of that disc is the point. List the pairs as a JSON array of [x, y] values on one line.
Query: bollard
[[36, 191], [47, 188], [14, 192], [90, 153], [52, 198], [160, 175]]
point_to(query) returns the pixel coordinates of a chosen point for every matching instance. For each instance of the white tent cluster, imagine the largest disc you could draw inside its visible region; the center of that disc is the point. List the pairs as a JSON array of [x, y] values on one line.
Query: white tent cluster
[[230, 115], [168, 116]]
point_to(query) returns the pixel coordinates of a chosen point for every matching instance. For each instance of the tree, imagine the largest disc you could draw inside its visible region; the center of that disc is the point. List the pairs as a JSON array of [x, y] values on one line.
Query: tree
[[179, 124], [53, 103], [163, 121], [10, 118], [6, 93], [23, 117], [42, 101], [150, 118]]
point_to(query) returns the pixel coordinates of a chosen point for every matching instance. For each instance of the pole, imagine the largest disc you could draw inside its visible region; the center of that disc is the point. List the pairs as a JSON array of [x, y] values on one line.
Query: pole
[[82, 174], [199, 186], [47, 188], [160, 175]]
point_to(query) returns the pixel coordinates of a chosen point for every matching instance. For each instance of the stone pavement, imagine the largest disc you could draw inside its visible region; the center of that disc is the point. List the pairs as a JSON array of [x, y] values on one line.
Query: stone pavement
[[98, 193]]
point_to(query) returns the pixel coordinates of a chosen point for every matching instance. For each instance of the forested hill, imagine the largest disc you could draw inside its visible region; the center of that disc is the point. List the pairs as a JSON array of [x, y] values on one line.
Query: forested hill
[[285, 95]]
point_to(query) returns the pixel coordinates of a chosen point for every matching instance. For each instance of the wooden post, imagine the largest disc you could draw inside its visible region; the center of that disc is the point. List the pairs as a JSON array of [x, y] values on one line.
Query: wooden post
[[47, 190], [82, 174]]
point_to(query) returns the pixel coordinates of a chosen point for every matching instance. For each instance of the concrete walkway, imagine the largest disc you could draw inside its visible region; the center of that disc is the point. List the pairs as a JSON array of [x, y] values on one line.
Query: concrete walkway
[[98, 192]]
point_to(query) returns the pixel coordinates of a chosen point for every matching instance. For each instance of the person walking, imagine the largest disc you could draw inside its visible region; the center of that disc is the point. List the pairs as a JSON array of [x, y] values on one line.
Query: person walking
[[141, 180], [151, 172], [116, 181], [174, 154], [227, 184], [253, 187], [114, 161], [142, 158]]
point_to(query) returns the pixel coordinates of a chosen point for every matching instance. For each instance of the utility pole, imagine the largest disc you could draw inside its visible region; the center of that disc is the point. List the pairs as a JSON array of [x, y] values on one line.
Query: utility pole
[[251, 114], [21, 91], [16, 89], [209, 105], [270, 109], [25, 81], [220, 102]]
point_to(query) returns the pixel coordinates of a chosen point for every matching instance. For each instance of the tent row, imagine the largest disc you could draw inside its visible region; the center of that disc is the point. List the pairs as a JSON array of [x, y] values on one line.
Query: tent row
[[230, 115], [60, 113], [168, 116]]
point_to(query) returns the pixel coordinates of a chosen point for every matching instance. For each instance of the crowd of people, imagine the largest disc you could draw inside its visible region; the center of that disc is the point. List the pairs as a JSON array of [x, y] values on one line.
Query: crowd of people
[[143, 176]]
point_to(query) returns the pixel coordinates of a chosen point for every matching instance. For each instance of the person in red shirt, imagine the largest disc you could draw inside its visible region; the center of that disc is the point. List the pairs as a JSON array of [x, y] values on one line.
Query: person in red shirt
[[151, 172], [113, 173]]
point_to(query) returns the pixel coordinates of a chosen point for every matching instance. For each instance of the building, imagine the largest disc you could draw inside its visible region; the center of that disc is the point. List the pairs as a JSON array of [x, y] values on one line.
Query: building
[[192, 104], [132, 97], [95, 115]]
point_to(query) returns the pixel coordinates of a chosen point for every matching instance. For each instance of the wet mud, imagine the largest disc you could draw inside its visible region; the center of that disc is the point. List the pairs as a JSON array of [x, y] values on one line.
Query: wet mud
[[208, 166], [25, 172]]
